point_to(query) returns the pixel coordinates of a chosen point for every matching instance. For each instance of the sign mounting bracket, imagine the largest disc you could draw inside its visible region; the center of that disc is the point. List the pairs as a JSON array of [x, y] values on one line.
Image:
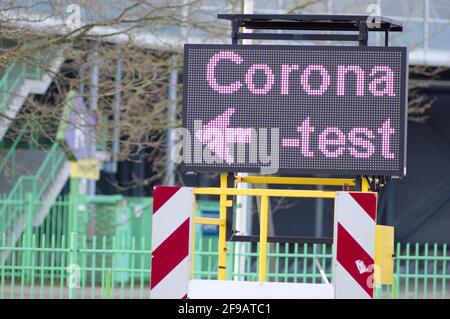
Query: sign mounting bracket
[[310, 22]]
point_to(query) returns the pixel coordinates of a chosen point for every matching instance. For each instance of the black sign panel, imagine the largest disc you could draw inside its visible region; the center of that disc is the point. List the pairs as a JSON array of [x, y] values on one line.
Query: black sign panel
[[295, 109]]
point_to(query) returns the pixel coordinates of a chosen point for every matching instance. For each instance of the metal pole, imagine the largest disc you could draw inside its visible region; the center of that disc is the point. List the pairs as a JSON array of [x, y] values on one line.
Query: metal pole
[[73, 205], [93, 105], [243, 203], [29, 234], [73, 260], [426, 31], [111, 167], [117, 109], [193, 229], [318, 227], [390, 218]]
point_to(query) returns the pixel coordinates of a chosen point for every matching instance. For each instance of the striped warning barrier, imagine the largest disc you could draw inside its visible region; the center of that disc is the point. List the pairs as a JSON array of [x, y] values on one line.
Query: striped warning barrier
[[354, 244], [171, 227]]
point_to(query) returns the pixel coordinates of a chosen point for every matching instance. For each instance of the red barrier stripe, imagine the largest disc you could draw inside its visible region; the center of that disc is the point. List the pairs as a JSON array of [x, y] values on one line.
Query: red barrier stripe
[[348, 252], [170, 253], [367, 201], [161, 194]]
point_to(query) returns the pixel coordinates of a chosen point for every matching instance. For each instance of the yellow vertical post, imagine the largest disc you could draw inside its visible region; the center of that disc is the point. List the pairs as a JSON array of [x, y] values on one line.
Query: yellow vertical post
[[384, 252], [263, 223], [223, 229]]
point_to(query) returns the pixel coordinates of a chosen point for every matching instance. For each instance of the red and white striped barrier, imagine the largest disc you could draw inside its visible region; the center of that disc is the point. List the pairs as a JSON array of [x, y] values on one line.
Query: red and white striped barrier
[[171, 229], [354, 244]]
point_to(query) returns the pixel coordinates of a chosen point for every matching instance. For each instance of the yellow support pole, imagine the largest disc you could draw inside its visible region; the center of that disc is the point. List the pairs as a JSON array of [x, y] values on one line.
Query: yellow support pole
[[384, 252], [193, 226], [263, 224], [221, 275], [263, 192], [208, 221]]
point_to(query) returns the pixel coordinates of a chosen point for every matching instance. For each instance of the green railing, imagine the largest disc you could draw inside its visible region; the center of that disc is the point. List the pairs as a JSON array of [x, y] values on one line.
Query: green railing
[[28, 190], [44, 269], [98, 215], [421, 271], [116, 265], [56, 223], [12, 206], [14, 74], [7, 163], [102, 136]]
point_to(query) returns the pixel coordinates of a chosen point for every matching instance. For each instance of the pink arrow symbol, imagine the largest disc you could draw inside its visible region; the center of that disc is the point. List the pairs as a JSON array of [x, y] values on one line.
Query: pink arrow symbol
[[217, 135]]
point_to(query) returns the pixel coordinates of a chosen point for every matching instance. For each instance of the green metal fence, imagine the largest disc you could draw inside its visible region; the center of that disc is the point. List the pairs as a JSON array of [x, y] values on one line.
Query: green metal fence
[[421, 270], [110, 250], [67, 267], [55, 263], [70, 267]]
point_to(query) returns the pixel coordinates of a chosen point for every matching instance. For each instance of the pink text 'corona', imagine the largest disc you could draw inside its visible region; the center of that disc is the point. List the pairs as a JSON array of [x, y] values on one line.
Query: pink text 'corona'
[[379, 81]]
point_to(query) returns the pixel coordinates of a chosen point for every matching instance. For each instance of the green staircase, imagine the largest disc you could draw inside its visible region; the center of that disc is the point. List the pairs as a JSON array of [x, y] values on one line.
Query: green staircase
[[30, 180], [22, 78], [30, 177], [13, 76]]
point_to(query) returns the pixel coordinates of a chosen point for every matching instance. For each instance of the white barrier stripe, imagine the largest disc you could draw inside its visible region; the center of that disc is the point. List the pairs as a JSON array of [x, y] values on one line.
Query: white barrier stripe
[[348, 286], [356, 222], [175, 284], [171, 215], [322, 273]]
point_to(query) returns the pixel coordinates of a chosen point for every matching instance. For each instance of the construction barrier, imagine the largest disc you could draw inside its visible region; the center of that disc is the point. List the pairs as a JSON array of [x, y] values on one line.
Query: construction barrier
[[171, 241], [354, 238]]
